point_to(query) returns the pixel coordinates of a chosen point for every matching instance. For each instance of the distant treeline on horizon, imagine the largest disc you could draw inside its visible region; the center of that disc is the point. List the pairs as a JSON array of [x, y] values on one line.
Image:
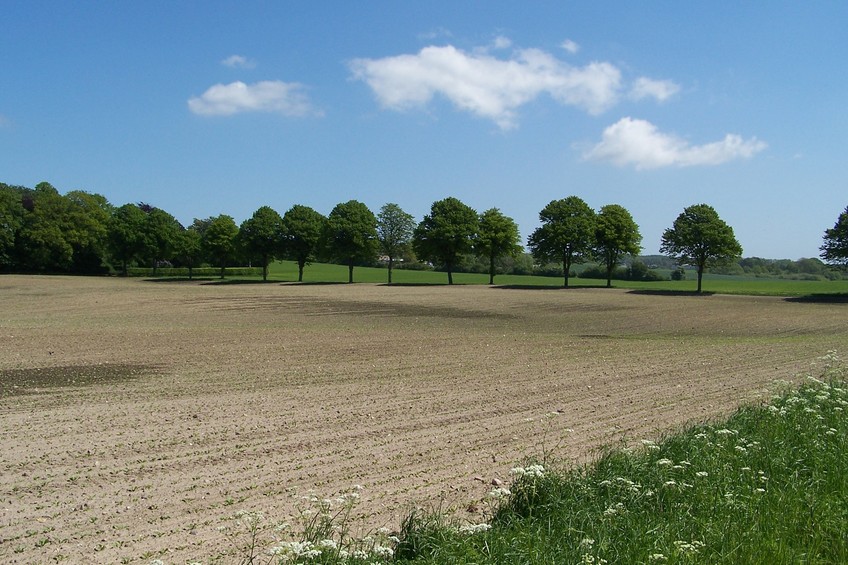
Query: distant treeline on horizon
[[43, 231]]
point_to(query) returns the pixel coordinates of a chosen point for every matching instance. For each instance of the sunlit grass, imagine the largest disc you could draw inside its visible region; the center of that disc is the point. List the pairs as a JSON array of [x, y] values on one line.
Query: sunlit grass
[[724, 284]]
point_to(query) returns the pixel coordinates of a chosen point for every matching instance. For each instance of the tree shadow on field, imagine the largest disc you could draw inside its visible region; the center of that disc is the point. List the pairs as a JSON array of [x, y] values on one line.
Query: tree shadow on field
[[830, 298], [659, 292], [414, 284], [314, 283], [544, 287], [225, 282], [179, 280]]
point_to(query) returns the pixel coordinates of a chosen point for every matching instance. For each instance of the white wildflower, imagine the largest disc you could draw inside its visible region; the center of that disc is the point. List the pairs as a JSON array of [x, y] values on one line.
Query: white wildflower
[[471, 529]]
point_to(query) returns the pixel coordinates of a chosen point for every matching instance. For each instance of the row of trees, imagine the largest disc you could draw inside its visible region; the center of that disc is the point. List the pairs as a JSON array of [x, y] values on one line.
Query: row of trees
[[41, 231]]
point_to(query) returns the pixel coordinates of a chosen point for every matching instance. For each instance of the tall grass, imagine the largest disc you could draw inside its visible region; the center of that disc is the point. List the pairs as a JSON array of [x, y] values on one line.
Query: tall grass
[[768, 485]]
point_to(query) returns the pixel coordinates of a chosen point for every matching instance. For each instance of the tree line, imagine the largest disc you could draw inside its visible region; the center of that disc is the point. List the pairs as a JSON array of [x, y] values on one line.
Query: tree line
[[80, 232]]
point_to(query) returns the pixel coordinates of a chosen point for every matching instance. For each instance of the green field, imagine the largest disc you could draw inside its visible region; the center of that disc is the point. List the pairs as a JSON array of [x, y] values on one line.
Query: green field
[[724, 284]]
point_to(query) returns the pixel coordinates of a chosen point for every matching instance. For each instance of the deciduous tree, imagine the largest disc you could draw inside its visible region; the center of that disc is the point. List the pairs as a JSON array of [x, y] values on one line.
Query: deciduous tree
[[302, 229], [219, 240], [11, 219], [350, 234], [497, 236], [616, 235], [446, 233], [566, 235], [394, 232], [125, 235], [699, 237], [834, 250], [160, 232], [262, 237], [188, 249]]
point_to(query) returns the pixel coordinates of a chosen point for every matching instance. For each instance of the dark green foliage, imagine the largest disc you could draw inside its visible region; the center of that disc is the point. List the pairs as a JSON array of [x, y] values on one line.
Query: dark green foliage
[[350, 235], [160, 233], [700, 238], [126, 235], [446, 234], [636, 271], [262, 237], [188, 249], [394, 232], [218, 240], [497, 236], [616, 235], [302, 229], [566, 235], [834, 250]]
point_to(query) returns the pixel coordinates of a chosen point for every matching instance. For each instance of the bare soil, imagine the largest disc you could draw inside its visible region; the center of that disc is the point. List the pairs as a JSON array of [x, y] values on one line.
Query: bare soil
[[136, 417]]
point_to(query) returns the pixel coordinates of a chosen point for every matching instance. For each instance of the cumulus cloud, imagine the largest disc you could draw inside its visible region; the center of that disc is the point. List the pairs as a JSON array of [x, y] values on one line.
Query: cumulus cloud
[[238, 62], [661, 90], [641, 144], [570, 46], [487, 86], [276, 96]]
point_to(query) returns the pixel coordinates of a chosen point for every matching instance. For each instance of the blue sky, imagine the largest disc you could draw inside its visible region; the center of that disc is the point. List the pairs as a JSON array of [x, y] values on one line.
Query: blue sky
[[203, 108]]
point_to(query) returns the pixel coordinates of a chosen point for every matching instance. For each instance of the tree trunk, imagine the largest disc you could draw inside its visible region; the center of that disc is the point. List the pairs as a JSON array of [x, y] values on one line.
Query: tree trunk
[[609, 276], [450, 275], [350, 272], [189, 272], [300, 264], [700, 275], [222, 270], [566, 267], [265, 271], [390, 270], [492, 268]]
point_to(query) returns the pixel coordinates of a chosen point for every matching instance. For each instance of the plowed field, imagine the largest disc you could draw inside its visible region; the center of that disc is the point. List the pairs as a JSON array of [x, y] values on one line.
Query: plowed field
[[135, 417]]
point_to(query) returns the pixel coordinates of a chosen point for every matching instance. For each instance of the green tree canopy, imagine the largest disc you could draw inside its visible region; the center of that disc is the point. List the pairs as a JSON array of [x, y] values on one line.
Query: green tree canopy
[[350, 234], [87, 224], [125, 235], [302, 229], [261, 237], [616, 235], [219, 240], [394, 232], [834, 250], [446, 233], [497, 236], [699, 237], [566, 235], [188, 248], [160, 232], [11, 220]]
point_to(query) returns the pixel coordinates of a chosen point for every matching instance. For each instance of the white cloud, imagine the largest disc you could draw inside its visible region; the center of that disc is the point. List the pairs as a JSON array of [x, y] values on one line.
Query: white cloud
[[276, 96], [661, 90], [238, 62], [641, 144], [502, 42], [570, 46], [487, 86]]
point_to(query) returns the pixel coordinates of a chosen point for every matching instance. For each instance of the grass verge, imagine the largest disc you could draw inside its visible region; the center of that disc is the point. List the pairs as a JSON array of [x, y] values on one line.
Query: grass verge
[[768, 485]]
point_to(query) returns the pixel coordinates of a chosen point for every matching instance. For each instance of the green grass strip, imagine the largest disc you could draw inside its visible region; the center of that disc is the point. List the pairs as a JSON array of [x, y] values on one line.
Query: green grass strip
[[769, 485]]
